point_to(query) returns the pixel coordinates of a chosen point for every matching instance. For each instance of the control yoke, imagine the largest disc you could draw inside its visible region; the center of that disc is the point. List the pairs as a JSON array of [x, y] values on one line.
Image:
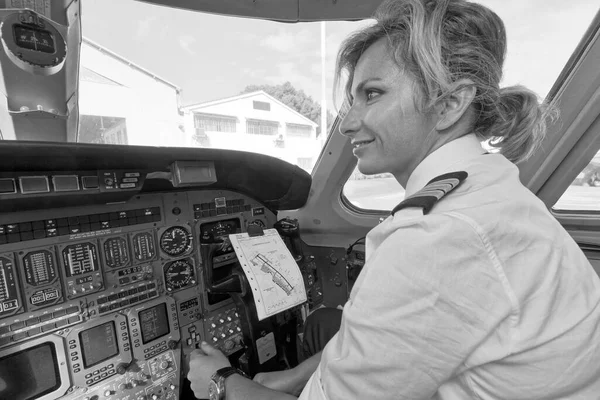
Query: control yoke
[[232, 283]]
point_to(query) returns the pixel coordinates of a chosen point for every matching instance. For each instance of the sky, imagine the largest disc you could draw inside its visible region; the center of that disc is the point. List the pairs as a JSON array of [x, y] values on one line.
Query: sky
[[211, 57]]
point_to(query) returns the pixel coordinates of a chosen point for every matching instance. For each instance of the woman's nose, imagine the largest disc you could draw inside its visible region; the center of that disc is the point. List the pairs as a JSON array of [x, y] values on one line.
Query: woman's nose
[[350, 122]]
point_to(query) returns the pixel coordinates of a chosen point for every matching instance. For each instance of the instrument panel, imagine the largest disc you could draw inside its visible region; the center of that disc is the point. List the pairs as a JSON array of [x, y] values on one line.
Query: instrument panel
[[105, 301]]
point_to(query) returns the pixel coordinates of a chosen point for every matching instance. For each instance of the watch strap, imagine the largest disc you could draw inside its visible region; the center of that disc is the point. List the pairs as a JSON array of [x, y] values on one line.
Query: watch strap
[[225, 372], [219, 378]]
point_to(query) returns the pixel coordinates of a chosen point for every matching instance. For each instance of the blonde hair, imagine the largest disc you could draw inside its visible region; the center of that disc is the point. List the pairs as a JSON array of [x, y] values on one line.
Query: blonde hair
[[439, 42]]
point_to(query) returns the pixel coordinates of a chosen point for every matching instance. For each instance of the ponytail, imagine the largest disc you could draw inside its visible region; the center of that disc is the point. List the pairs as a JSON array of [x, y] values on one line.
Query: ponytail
[[516, 123]]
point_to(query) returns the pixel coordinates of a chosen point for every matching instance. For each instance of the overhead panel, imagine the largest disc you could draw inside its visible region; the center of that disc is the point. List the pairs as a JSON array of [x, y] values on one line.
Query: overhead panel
[[280, 10], [336, 10]]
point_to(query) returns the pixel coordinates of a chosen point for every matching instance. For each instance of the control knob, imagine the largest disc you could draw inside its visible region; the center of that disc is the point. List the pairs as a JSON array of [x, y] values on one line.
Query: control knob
[[108, 393], [172, 386], [165, 364], [154, 397], [143, 376], [125, 386], [122, 368]]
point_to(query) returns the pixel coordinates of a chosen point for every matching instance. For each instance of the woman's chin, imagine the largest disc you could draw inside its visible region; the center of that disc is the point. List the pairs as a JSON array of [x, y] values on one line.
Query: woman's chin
[[367, 168]]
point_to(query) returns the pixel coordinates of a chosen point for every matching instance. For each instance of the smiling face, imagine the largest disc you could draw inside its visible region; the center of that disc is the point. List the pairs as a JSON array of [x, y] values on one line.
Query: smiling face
[[387, 131]]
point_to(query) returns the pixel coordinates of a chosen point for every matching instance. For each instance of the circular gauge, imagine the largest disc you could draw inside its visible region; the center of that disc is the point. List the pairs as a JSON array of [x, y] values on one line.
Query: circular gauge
[[33, 43], [175, 241], [179, 274], [258, 222]]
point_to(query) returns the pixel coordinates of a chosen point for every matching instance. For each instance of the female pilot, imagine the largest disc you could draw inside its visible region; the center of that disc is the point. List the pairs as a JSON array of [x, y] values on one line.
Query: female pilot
[[471, 289]]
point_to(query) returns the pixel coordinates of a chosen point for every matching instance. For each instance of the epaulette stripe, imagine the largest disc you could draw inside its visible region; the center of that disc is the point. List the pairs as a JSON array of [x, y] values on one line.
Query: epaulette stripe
[[440, 186], [444, 185], [432, 192]]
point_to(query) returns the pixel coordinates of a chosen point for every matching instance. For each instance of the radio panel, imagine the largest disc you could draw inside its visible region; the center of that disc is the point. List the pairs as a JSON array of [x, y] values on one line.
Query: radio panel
[[122, 298], [130, 275]]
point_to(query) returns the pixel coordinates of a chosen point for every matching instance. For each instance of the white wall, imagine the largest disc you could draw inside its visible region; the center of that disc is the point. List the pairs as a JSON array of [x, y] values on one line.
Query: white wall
[[242, 109], [149, 105]]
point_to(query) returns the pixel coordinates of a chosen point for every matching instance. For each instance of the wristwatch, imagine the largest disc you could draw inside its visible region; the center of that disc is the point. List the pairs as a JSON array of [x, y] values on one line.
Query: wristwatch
[[216, 386]]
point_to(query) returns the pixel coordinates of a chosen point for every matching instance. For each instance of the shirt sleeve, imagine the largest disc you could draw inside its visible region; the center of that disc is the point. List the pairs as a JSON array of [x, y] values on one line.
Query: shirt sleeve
[[432, 293]]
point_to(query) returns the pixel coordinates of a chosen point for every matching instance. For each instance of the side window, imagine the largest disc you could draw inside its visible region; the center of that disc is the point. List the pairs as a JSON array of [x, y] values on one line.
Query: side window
[[584, 193], [379, 192]]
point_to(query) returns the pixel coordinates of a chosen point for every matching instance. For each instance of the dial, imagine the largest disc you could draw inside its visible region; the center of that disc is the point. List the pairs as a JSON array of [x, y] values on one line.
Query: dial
[[220, 230], [179, 274], [176, 241], [259, 222]]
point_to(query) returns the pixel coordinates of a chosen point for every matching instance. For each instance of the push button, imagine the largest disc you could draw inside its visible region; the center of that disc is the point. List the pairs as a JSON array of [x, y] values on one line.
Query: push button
[[90, 182], [7, 186]]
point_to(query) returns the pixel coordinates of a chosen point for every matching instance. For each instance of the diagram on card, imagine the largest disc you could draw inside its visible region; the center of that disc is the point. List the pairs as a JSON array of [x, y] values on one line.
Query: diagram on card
[[272, 272]]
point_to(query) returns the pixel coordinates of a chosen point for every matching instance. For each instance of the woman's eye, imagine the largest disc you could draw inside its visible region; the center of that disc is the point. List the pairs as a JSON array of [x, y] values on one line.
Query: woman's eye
[[371, 94]]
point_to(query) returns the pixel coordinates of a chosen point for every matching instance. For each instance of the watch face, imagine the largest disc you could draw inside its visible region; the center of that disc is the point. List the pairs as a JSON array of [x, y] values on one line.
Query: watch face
[[213, 390]]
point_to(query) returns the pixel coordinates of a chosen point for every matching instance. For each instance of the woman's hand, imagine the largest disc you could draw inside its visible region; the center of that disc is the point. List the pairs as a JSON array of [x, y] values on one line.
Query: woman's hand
[[286, 381], [204, 362]]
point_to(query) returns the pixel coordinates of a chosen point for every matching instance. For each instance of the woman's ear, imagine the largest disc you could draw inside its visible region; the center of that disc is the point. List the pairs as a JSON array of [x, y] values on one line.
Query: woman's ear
[[451, 108]]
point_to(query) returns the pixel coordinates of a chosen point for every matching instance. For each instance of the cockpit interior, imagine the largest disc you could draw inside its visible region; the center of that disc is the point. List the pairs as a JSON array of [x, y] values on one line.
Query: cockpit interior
[[117, 217]]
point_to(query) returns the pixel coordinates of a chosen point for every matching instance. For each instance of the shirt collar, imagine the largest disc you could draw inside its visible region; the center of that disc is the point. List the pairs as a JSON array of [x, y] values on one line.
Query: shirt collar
[[442, 160]]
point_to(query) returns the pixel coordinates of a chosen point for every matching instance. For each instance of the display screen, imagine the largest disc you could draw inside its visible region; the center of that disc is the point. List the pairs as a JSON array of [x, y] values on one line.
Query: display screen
[[34, 39], [154, 323], [29, 374], [98, 344]]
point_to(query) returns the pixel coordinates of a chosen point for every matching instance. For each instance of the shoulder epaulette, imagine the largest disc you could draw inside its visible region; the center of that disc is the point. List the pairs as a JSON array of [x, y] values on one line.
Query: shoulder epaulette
[[432, 192]]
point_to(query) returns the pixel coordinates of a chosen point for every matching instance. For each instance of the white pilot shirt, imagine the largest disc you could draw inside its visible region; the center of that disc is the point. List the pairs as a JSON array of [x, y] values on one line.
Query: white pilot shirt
[[486, 297]]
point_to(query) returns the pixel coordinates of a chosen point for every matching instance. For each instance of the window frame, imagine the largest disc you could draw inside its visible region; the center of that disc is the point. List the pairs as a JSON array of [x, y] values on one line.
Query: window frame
[[260, 124], [220, 118], [291, 133]]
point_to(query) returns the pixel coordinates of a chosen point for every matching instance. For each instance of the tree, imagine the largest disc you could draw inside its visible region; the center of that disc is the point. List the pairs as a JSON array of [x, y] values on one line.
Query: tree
[[295, 99]]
